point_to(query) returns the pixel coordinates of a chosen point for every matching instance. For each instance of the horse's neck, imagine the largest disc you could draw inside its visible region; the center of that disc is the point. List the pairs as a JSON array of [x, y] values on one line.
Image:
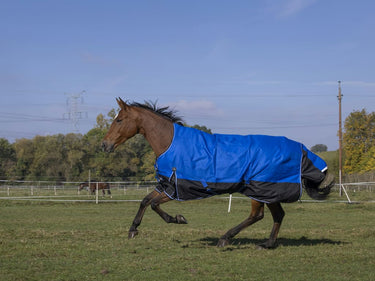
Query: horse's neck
[[157, 130]]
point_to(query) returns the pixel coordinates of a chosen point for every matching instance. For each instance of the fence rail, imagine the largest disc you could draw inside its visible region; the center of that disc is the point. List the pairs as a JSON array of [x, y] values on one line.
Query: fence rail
[[67, 189], [132, 190]]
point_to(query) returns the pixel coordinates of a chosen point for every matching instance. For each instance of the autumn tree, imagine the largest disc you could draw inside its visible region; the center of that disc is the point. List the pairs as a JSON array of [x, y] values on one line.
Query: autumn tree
[[359, 142]]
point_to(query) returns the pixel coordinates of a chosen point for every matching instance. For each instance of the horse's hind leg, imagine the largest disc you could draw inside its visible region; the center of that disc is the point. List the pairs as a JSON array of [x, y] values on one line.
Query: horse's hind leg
[[257, 213], [277, 215]]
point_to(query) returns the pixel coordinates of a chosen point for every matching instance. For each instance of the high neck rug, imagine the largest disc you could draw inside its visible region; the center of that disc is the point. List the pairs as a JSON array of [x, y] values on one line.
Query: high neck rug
[[265, 168]]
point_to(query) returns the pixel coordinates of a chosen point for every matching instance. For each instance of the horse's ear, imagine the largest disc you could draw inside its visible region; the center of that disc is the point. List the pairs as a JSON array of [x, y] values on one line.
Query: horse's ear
[[122, 104]]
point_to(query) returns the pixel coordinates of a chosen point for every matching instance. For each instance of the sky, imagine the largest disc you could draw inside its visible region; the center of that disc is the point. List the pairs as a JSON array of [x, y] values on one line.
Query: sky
[[237, 67]]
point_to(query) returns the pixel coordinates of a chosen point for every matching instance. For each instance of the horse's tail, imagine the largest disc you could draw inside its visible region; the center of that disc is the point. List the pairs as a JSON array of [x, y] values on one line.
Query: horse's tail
[[320, 191]]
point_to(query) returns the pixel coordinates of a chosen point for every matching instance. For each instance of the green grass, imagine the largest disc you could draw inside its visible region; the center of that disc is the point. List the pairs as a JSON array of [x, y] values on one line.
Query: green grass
[[84, 241]]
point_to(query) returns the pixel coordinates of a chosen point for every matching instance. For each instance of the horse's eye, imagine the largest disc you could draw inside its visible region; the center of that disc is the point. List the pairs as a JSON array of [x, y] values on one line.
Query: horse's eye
[[118, 120]]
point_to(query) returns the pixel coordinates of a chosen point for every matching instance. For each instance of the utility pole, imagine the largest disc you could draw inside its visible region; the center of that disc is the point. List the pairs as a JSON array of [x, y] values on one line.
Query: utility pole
[[73, 113], [340, 138]]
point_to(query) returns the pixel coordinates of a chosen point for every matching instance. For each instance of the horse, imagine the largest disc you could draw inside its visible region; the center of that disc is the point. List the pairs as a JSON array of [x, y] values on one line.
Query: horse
[[92, 186], [191, 164]]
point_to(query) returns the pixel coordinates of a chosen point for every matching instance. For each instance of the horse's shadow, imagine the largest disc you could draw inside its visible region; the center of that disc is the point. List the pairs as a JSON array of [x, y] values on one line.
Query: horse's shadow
[[285, 242]]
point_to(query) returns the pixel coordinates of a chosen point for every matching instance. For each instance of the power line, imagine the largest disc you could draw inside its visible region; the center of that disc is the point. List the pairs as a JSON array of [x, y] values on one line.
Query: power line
[[6, 117]]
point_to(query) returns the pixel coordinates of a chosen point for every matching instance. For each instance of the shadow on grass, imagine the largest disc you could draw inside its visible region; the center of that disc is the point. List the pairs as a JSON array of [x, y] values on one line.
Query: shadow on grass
[[286, 242]]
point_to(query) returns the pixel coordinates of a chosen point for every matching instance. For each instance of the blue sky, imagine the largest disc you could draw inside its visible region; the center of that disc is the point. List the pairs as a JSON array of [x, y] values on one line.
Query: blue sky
[[237, 67]]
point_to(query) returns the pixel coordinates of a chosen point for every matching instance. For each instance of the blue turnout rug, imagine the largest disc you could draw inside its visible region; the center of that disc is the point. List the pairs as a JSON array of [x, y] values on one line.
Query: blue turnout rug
[[266, 168]]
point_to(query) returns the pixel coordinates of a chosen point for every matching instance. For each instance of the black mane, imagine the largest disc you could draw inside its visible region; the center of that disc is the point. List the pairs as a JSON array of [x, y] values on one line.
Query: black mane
[[165, 111]]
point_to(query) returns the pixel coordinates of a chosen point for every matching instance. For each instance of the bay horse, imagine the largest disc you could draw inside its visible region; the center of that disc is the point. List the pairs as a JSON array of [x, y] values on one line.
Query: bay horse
[[191, 164], [103, 186]]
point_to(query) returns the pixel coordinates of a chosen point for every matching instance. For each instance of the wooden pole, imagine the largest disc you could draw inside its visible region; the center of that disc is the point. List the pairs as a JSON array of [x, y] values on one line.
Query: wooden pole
[[340, 139]]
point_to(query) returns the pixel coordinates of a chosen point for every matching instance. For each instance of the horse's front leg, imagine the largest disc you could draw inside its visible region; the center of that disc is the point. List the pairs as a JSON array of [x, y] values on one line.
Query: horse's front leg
[[141, 211], [155, 205], [154, 199], [257, 213]]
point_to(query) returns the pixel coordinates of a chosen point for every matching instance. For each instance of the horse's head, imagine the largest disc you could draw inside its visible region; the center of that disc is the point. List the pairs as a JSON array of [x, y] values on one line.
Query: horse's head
[[82, 185], [123, 127]]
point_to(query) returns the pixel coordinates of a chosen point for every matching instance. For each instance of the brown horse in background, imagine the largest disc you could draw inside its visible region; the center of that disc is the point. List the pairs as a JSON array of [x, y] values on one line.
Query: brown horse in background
[[103, 186]]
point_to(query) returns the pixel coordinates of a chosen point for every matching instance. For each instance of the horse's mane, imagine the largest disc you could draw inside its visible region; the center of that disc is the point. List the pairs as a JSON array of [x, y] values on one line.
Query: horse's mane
[[165, 111]]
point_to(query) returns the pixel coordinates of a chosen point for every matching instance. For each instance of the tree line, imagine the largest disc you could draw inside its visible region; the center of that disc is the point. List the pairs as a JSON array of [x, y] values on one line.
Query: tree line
[[70, 157]]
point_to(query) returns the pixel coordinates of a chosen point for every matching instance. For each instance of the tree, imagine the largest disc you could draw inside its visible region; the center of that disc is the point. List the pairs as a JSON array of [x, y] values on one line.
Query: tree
[[104, 123], [359, 142], [7, 158], [50, 158], [202, 128], [319, 148], [73, 155], [24, 149]]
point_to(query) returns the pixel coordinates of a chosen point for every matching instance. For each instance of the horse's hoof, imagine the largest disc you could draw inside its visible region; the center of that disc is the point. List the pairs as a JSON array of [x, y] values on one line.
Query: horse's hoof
[[181, 219], [266, 246], [261, 247], [132, 234], [222, 243]]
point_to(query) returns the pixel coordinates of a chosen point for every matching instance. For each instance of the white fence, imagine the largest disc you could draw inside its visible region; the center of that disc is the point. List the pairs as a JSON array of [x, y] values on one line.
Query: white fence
[[135, 191], [49, 190]]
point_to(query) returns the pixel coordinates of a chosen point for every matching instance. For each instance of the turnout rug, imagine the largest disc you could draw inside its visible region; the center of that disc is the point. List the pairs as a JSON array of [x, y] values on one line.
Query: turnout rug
[[266, 168]]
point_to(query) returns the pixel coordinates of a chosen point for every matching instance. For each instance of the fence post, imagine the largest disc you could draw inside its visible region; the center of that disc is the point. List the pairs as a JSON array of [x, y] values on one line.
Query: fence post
[[97, 193], [230, 202], [347, 196], [89, 183]]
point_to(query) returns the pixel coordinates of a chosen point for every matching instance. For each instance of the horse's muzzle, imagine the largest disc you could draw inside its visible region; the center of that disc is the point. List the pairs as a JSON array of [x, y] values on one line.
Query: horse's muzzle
[[107, 146]]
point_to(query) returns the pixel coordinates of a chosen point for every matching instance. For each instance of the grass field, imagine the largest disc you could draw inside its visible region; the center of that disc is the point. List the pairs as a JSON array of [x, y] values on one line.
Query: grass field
[[85, 241]]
